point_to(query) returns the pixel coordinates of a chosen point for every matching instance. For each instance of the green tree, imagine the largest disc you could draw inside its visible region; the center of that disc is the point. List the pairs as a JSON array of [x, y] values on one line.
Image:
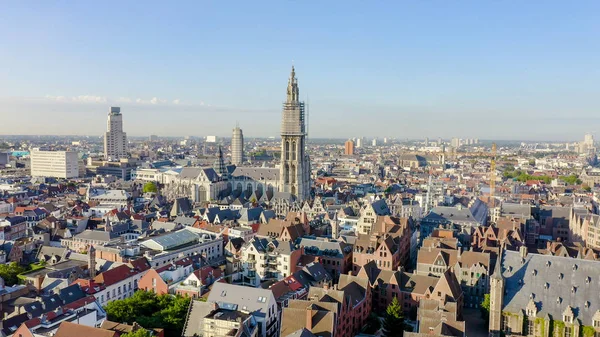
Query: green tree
[[9, 273], [571, 179], [151, 311], [372, 325], [150, 187], [138, 333], [393, 324], [485, 307]]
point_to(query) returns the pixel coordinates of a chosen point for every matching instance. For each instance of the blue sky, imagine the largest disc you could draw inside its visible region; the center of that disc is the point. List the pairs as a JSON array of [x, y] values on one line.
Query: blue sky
[[409, 69]]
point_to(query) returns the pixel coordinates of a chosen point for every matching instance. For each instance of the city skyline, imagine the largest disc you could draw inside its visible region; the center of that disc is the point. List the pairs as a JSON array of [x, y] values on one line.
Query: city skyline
[[409, 71]]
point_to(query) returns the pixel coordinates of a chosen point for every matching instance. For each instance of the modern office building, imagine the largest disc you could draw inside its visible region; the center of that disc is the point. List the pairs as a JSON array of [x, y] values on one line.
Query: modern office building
[[455, 143], [349, 147], [237, 147], [55, 164], [295, 164], [359, 142], [115, 140]]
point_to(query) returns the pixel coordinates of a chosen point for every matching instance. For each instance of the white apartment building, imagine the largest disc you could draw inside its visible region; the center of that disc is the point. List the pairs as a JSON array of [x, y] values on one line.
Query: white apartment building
[[260, 303], [115, 140], [117, 284], [268, 259], [243, 232], [55, 164]]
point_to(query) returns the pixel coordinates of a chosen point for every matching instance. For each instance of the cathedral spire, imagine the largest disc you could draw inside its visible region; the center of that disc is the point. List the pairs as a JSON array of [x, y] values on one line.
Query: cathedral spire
[[293, 94], [219, 165]]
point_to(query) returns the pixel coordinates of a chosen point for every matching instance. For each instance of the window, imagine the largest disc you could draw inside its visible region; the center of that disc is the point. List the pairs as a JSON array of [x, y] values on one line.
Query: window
[[568, 331], [530, 327]]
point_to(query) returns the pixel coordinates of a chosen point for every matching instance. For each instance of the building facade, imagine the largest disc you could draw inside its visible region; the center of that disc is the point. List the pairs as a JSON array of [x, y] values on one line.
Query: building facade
[[55, 164], [295, 164], [115, 140]]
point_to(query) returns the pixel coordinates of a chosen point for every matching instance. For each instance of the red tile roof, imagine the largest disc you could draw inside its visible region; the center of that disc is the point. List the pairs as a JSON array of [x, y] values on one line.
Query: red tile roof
[[88, 286], [80, 302], [140, 264], [186, 261], [115, 275]]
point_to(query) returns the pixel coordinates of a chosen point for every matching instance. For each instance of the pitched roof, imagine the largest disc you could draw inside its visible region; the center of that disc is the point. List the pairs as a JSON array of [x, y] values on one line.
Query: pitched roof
[[554, 282], [115, 275], [68, 329]]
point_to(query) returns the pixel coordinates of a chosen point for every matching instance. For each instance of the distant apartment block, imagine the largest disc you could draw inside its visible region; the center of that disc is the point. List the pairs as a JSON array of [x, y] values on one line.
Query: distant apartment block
[[349, 147], [237, 147], [54, 164], [115, 140]]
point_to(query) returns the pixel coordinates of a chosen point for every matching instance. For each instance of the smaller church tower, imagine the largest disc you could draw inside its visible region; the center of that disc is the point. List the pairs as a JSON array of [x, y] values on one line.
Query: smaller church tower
[[219, 165], [92, 261], [335, 227], [497, 284]]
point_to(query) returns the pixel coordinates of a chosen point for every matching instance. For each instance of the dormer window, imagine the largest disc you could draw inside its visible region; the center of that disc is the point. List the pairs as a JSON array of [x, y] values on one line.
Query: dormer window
[[574, 267], [546, 285], [560, 276], [558, 300], [534, 272], [548, 263], [573, 290], [586, 304], [588, 280], [568, 319]]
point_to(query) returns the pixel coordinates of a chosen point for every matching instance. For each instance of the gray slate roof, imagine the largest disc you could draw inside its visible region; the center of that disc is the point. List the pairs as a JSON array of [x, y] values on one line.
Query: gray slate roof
[[257, 173], [450, 215], [574, 281]]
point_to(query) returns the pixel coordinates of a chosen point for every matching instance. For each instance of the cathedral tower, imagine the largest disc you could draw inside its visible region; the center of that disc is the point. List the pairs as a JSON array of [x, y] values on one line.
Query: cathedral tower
[[295, 166]]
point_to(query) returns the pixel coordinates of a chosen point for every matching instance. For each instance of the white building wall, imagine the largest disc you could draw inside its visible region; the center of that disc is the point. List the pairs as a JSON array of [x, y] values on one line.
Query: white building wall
[[56, 164], [120, 290]]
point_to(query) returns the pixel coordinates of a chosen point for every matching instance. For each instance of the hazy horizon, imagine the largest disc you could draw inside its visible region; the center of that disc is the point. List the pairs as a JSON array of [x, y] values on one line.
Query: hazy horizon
[[487, 70]]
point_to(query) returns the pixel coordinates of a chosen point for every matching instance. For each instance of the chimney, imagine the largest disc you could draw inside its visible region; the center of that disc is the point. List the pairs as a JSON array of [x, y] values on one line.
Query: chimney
[[523, 252], [309, 316]]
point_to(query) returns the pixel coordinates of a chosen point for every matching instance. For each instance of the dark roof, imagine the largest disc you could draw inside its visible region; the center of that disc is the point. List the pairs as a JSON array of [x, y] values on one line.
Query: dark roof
[[553, 283], [71, 293], [52, 302], [10, 325]]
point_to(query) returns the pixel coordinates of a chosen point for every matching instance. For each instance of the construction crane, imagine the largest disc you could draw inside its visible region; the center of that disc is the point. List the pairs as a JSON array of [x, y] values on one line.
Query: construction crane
[[493, 173]]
